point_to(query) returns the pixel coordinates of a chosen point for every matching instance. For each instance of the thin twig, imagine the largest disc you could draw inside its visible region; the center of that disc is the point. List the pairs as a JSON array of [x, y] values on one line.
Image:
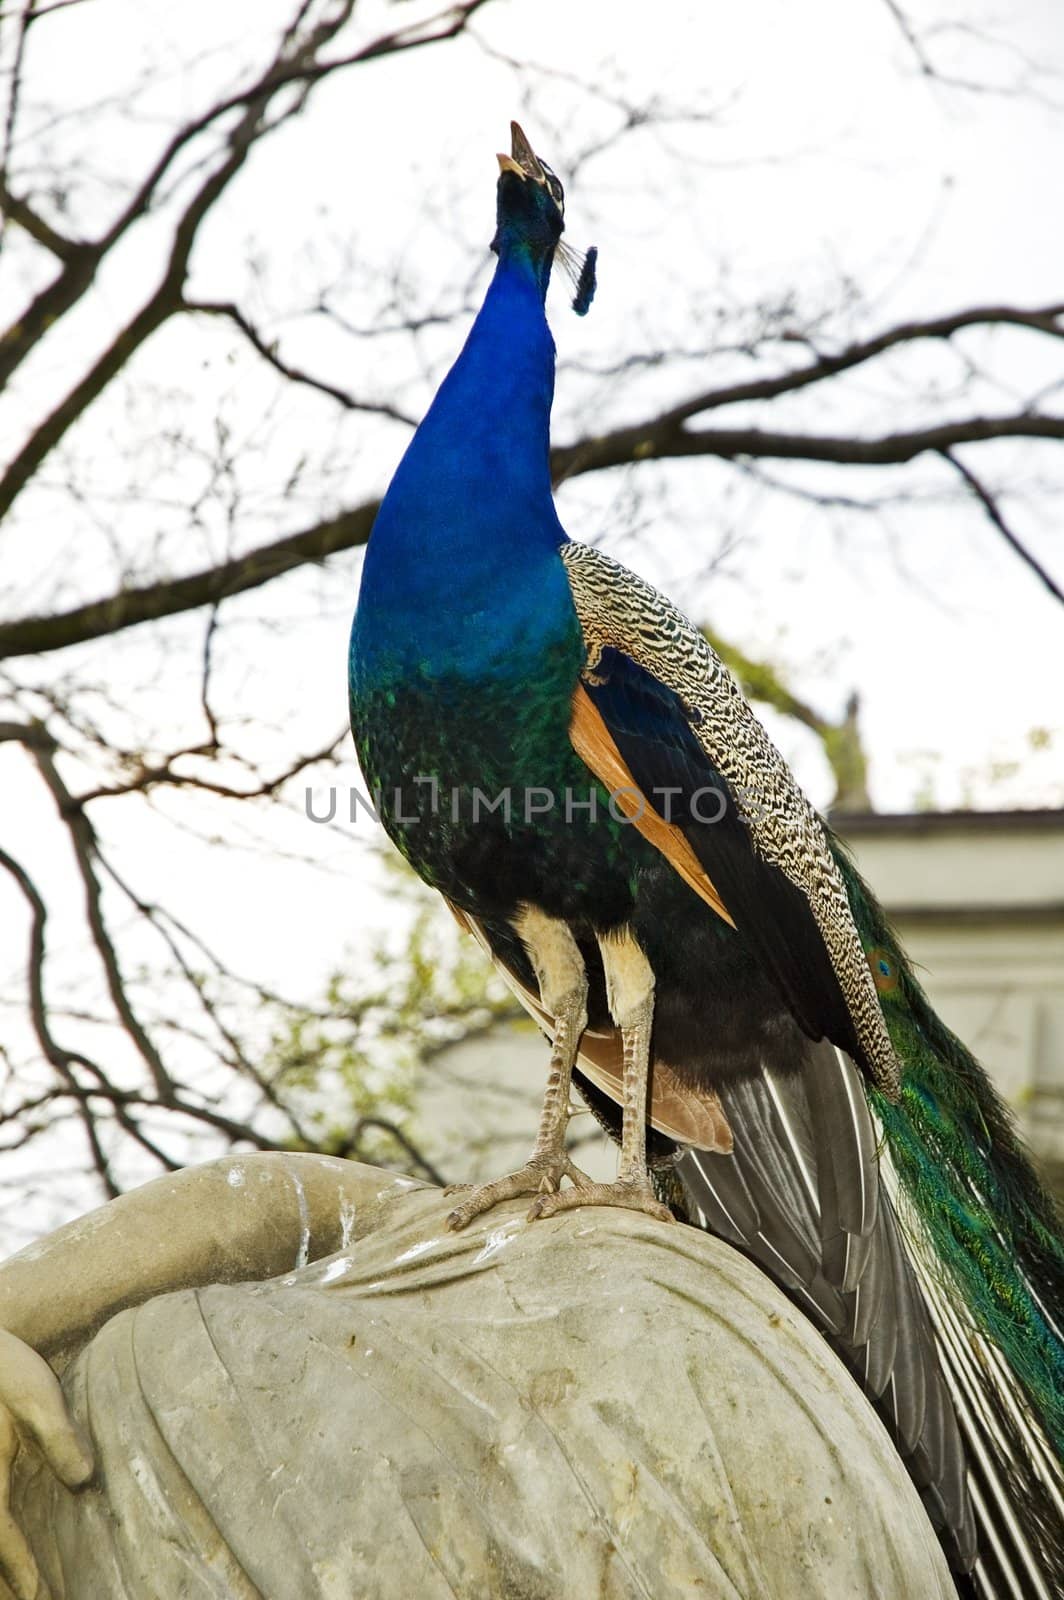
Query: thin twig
[[268, 352], [63, 1061], [993, 511], [83, 840]]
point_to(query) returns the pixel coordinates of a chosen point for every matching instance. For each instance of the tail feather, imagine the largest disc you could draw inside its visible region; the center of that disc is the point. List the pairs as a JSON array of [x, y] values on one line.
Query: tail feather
[[916, 1399], [1018, 1510], [814, 1194], [1016, 1483], [985, 1242], [849, 1184], [806, 1150], [991, 1228]]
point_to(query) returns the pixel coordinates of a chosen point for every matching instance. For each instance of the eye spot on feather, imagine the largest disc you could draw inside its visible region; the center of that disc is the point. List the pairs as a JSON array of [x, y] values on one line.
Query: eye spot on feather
[[884, 971]]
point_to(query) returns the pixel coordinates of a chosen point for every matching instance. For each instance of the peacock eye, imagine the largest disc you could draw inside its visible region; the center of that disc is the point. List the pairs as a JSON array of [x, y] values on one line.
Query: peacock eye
[[884, 970]]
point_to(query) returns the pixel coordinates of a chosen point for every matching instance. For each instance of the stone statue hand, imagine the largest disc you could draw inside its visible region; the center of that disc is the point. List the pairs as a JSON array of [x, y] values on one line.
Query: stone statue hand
[[32, 1406]]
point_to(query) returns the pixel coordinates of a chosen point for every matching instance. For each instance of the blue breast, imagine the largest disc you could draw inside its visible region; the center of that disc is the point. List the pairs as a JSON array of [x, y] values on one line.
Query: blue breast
[[462, 577]]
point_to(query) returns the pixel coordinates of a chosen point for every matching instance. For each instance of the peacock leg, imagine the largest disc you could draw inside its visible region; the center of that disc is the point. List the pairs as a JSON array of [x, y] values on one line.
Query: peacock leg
[[559, 968], [630, 989]]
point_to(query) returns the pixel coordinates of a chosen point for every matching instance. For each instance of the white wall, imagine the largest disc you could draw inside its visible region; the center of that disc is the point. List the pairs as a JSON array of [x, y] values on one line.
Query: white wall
[[979, 904]]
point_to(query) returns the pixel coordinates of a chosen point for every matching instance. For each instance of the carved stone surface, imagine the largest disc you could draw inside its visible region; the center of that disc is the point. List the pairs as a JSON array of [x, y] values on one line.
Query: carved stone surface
[[597, 1405]]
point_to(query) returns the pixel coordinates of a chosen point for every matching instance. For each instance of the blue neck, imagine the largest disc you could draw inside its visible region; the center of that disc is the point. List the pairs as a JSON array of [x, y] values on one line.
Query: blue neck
[[470, 505]]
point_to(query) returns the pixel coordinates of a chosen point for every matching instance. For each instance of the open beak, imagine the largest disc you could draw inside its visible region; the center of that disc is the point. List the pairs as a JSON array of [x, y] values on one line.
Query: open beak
[[522, 158]]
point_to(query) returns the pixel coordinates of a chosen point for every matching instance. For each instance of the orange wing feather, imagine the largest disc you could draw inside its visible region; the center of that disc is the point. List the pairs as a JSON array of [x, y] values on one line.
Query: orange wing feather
[[595, 747]]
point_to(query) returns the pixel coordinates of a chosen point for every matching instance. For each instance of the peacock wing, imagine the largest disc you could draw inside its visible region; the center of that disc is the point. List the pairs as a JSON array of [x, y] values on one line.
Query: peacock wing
[[658, 710]]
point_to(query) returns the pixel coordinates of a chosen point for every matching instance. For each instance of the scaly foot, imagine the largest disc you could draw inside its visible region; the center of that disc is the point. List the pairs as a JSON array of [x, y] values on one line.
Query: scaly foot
[[541, 1176], [634, 1194]]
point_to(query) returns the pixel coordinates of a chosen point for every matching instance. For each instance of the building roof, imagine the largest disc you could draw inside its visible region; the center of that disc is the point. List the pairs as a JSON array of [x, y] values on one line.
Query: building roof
[[860, 822]]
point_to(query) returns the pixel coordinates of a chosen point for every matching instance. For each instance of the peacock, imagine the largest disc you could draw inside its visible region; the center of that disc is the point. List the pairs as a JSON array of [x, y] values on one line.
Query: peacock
[[556, 749]]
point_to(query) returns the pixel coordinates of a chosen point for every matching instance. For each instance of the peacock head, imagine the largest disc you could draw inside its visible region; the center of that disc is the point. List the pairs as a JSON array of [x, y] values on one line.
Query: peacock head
[[530, 218]]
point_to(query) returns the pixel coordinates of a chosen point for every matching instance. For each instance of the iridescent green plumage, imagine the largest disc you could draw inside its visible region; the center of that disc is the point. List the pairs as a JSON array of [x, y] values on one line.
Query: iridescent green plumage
[[991, 1225]]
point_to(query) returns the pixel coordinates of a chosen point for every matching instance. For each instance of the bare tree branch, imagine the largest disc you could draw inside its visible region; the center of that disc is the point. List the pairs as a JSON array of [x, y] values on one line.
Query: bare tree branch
[[153, 777], [1039, 319], [83, 839], [63, 1061], [911, 37], [350, 1148], [295, 64], [164, 302], [239, 1058], [14, 93], [169, 597], [57, 5], [268, 352], [993, 511], [660, 437], [947, 79], [663, 438], [67, 250]]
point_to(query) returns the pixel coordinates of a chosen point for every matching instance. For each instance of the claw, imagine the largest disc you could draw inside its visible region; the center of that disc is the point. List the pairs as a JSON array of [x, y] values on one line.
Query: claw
[[541, 1176]]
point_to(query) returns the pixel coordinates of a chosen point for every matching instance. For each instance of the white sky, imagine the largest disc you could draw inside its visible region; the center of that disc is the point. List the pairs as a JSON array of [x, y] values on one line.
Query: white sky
[[829, 158]]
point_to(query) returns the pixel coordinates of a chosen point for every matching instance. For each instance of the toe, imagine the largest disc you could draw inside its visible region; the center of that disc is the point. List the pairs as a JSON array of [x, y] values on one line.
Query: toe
[[462, 1216], [628, 1196]]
